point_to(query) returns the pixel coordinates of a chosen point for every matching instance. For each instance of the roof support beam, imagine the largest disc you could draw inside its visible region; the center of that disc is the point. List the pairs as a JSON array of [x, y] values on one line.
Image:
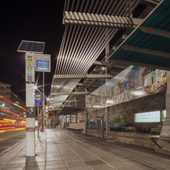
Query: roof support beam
[[121, 66], [98, 20], [58, 106], [81, 84], [89, 76], [146, 51], [55, 109], [100, 63], [149, 3], [155, 31], [67, 101], [139, 64], [69, 93]]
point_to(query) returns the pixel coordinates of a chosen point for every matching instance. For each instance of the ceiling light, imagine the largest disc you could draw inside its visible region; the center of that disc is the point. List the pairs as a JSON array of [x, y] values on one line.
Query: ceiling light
[[138, 93], [109, 101]]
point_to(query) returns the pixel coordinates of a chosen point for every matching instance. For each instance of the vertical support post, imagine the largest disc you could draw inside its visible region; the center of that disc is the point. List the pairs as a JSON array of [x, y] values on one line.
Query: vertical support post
[[103, 125], [75, 97], [43, 99], [66, 121], [107, 113], [89, 120], [38, 120], [85, 128], [76, 117], [30, 110], [70, 118], [165, 132]]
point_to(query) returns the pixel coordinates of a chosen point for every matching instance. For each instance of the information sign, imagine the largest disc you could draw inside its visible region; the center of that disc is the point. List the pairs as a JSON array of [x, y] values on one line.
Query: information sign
[[42, 62], [38, 99], [29, 68]]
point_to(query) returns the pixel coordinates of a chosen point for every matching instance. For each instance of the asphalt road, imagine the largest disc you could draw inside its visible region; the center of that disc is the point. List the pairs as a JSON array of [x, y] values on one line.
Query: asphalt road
[[8, 139]]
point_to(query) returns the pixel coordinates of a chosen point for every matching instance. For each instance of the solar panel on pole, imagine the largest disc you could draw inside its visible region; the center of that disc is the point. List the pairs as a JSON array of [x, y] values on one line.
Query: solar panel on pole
[[31, 46]]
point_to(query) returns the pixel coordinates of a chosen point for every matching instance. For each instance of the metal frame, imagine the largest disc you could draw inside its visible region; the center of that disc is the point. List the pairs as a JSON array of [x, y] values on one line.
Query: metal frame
[[89, 76], [155, 31], [139, 64], [31, 51], [45, 57], [146, 51], [69, 93], [66, 101], [98, 20]]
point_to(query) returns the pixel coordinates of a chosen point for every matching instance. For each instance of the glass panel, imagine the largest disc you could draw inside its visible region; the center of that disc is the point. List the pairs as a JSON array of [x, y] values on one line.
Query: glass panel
[[42, 65], [147, 117], [132, 83]]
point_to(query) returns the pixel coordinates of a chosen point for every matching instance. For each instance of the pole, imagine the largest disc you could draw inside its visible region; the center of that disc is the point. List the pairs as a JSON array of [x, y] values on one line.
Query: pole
[[38, 120], [43, 102]]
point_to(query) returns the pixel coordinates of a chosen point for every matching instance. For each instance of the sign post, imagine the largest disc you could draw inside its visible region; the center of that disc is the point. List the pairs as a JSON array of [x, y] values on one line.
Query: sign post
[[38, 102], [30, 111], [34, 61]]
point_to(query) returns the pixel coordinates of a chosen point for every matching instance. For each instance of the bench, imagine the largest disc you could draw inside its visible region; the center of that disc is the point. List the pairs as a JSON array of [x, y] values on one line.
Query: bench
[[158, 137], [77, 126]]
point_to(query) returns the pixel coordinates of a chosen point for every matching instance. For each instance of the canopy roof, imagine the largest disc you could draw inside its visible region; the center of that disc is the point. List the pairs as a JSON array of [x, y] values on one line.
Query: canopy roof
[[148, 44], [70, 110]]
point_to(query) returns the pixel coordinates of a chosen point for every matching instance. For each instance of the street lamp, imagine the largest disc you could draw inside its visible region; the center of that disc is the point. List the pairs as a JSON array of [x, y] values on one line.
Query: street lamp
[[35, 87]]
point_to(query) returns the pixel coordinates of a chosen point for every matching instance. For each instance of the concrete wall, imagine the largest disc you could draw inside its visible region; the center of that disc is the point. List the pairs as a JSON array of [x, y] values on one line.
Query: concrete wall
[[152, 102]]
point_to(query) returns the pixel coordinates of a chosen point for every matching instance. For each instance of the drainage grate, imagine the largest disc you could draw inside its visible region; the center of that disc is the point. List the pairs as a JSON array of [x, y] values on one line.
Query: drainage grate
[[97, 162]]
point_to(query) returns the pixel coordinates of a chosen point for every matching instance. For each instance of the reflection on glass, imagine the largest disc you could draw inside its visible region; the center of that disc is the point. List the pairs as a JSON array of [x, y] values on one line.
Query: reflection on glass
[[132, 83]]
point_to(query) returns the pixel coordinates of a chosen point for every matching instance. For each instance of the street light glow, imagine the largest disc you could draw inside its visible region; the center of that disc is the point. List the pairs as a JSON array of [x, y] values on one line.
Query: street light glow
[[35, 87]]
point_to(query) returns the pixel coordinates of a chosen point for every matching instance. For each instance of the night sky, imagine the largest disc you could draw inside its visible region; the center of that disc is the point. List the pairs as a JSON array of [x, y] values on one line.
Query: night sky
[[36, 21], [28, 20]]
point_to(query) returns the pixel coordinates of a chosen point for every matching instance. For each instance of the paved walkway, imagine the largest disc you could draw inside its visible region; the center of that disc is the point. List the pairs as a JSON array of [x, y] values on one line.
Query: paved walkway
[[65, 150]]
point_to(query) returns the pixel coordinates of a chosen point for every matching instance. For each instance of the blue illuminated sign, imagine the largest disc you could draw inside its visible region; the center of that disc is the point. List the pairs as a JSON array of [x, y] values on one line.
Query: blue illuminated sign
[[42, 65], [38, 99]]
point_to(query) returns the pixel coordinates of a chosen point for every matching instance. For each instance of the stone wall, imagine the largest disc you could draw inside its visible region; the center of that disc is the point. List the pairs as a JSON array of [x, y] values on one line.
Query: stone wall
[[126, 137], [152, 102]]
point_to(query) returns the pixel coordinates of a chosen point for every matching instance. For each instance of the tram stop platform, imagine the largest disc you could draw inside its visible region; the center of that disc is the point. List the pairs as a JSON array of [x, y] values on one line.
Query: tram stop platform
[[66, 150]]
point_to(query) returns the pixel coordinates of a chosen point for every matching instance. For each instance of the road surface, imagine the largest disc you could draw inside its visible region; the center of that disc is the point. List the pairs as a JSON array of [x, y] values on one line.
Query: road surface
[[8, 139]]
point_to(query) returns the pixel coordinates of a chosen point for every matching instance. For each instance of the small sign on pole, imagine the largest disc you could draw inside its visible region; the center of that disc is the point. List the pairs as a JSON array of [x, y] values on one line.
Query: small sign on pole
[[38, 99]]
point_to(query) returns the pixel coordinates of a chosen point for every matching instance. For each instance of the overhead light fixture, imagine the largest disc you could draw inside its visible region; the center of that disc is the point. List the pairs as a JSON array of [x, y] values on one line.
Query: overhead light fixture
[[97, 106], [3, 104], [138, 93], [48, 99], [109, 101]]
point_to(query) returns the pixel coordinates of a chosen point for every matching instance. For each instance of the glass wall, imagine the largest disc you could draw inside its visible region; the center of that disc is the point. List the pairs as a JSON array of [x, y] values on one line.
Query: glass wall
[[132, 83], [148, 117]]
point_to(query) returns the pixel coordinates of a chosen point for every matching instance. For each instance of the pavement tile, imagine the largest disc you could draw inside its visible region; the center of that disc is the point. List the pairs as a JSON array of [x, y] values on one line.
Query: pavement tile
[[11, 166], [80, 168], [102, 167], [55, 166], [54, 162], [55, 154], [34, 168]]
